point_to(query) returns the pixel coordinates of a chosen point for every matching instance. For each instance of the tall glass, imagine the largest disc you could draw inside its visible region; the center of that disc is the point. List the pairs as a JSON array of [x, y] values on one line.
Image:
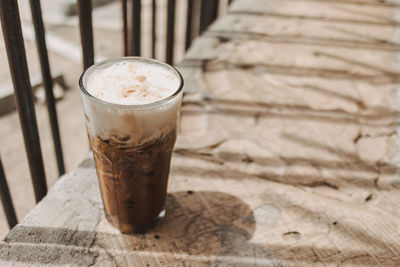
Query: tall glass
[[132, 147]]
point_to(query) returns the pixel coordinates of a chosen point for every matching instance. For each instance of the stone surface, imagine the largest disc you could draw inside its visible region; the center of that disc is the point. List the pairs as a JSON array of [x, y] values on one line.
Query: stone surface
[[42, 239], [287, 153]]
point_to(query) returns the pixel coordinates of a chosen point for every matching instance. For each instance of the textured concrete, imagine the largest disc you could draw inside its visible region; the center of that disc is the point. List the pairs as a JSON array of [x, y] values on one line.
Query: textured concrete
[[287, 153], [42, 239]]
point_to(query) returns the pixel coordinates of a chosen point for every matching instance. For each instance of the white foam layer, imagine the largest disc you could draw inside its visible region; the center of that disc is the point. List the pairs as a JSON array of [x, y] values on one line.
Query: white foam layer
[[132, 83], [151, 82]]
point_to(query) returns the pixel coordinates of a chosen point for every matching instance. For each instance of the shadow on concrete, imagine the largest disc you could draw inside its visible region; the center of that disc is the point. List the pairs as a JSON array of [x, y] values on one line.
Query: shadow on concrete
[[379, 3], [352, 170], [296, 71], [379, 117], [305, 180], [315, 18], [372, 44], [211, 228], [203, 226]]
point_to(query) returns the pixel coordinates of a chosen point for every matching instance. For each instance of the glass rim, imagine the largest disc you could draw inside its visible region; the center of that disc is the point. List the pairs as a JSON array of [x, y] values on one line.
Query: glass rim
[[134, 58]]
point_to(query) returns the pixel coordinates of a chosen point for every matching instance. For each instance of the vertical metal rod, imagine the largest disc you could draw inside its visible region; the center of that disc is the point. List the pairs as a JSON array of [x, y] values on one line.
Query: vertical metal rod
[[47, 81], [125, 27], [6, 200], [134, 21], [208, 13], [154, 28], [12, 33], [86, 31], [169, 58], [189, 24]]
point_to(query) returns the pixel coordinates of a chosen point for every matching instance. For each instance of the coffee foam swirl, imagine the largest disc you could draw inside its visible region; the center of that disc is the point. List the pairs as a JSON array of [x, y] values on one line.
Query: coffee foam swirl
[[132, 83]]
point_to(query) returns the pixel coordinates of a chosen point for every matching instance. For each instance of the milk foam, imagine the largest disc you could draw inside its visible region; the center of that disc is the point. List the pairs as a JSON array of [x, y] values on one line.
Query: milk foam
[[148, 82], [132, 83]]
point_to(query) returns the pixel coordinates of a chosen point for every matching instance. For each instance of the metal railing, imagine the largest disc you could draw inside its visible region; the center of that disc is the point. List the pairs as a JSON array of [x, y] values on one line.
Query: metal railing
[[131, 17]]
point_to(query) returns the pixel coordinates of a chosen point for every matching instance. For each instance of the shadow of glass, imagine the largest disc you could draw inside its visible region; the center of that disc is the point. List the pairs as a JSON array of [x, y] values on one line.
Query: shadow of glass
[[200, 227]]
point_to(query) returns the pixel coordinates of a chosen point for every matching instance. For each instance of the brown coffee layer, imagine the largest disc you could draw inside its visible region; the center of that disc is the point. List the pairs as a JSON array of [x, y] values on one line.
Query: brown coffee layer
[[133, 179]]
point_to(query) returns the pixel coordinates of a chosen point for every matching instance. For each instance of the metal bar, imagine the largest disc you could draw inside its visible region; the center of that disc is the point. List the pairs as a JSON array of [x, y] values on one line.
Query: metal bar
[[208, 13], [189, 24], [125, 27], [154, 28], [6, 200], [134, 21], [169, 58], [14, 42], [86, 31], [47, 81]]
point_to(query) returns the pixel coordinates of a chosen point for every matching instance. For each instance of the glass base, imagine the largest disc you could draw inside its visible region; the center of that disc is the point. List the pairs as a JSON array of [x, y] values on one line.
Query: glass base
[[134, 228]]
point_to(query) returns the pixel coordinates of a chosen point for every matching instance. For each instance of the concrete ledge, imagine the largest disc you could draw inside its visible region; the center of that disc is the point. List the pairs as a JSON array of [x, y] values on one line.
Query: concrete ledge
[[62, 227]]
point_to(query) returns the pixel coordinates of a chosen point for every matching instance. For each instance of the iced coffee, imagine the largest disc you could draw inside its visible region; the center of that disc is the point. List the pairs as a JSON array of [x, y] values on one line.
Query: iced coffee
[[132, 109]]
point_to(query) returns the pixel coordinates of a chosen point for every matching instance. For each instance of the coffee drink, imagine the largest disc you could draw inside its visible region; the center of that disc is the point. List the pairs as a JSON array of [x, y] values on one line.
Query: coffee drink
[[132, 109]]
